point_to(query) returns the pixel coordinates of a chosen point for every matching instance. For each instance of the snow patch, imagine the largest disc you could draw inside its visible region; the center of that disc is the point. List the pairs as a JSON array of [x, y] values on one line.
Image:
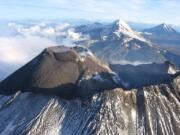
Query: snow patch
[[133, 115], [125, 84], [147, 33], [171, 70], [167, 27], [126, 62], [116, 78]]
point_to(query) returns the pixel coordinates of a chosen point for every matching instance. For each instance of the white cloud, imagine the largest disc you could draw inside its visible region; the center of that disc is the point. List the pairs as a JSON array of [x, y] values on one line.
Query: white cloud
[[59, 31], [20, 49], [29, 40], [17, 51], [73, 35]]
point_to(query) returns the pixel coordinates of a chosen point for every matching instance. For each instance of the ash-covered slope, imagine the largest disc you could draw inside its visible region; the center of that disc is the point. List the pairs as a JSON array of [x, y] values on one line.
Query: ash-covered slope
[[61, 71], [24, 109]]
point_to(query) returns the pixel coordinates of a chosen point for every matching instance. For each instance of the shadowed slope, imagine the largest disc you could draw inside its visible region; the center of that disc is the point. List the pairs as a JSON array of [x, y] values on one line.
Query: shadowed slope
[[146, 74]]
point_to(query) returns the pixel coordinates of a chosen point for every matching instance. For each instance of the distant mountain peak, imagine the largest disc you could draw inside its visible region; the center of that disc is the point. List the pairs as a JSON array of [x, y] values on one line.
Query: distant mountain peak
[[162, 34], [166, 27], [161, 28], [121, 26]]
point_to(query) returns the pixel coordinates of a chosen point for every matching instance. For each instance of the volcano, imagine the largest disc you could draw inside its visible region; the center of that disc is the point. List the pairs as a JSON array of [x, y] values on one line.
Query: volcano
[[68, 91]]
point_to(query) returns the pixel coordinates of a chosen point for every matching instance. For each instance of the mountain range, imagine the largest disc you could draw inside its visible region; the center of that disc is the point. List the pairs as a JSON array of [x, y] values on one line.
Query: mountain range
[[118, 43], [114, 81]]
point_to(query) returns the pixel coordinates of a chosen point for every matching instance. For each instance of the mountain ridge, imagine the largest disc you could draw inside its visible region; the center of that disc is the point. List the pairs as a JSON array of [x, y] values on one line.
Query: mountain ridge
[[117, 43]]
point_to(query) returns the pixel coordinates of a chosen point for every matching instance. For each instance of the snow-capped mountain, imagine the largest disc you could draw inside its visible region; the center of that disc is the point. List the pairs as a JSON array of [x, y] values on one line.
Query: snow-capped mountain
[[162, 29], [68, 91], [162, 34], [120, 29], [116, 29], [118, 43]]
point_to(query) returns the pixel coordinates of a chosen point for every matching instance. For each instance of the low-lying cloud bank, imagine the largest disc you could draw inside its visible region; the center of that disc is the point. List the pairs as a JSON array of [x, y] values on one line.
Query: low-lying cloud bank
[[16, 51], [20, 49], [60, 33]]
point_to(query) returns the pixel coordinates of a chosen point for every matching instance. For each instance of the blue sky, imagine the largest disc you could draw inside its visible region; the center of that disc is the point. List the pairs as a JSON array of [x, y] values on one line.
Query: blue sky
[[146, 11]]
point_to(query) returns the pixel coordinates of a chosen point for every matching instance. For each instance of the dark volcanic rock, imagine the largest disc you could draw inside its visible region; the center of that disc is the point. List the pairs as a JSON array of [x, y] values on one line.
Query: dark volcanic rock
[[57, 70]]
